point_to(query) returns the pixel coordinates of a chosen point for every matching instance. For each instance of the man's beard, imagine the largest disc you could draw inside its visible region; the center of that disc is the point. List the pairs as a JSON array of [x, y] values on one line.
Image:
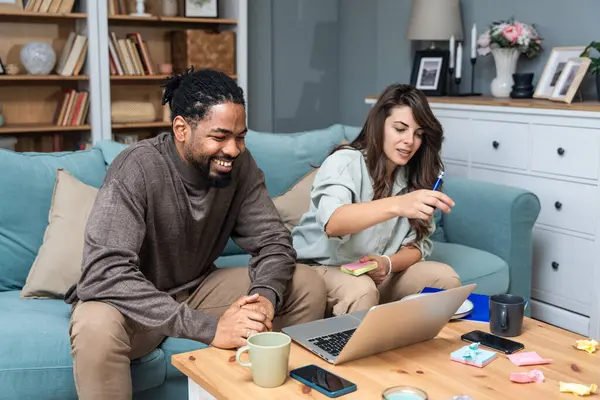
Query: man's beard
[[203, 165]]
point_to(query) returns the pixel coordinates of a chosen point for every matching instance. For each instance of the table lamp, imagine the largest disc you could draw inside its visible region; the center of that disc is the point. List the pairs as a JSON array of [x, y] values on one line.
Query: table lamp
[[435, 20]]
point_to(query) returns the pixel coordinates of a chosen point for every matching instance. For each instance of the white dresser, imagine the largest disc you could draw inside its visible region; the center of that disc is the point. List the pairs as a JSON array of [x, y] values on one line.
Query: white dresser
[[553, 150]]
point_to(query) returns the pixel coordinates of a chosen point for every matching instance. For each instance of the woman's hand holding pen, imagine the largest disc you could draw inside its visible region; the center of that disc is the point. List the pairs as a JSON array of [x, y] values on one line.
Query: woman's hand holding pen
[[421, 204]]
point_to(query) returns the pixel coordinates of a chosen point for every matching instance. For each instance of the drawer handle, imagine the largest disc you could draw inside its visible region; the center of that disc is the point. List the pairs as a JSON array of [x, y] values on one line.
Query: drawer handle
[[555, 265], [495, 144], [558, 205], [560, 151]]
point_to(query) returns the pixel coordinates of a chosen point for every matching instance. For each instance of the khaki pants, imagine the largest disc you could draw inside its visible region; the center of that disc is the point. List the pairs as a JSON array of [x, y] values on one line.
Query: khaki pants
[[347, 293], [103, 341]]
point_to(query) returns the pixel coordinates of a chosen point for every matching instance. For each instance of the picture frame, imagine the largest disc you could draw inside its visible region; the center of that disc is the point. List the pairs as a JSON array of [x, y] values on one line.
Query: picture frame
[[2, 68], [556, 62], [570, 79], [201, 8], [430, 71]]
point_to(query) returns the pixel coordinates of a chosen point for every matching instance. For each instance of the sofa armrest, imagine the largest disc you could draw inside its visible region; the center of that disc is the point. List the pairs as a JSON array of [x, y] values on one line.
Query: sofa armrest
[[498, 219]]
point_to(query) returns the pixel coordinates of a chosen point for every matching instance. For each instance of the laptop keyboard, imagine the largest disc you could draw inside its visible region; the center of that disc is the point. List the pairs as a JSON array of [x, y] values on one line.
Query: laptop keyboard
[[333, 343]]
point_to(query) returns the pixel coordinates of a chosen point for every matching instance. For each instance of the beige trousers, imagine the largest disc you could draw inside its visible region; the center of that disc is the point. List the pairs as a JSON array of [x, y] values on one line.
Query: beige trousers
[[103, 341], [347, 293]]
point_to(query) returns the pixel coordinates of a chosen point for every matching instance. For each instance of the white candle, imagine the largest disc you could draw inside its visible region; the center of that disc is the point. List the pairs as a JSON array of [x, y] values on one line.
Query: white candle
[[459, 61], [452, 44], [473, 41]]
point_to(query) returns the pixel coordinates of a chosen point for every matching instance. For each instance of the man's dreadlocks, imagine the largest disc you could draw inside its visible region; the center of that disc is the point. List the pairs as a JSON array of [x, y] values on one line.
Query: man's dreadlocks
[[192, 93]]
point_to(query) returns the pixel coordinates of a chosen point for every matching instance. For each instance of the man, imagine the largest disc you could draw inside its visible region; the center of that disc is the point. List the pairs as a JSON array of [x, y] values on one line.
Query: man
[[162, 216]]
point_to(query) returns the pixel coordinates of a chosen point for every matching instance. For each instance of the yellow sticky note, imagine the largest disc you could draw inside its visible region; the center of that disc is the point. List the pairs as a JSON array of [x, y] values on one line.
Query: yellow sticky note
[[588, 345], [577, 388]]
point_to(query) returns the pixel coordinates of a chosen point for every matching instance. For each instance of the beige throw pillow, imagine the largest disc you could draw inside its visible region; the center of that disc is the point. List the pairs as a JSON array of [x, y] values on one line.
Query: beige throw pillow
[[293, 203], [58, 263]]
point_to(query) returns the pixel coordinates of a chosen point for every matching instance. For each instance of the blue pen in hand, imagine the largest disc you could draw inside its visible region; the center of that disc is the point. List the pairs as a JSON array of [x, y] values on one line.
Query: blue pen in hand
[[439, 181]]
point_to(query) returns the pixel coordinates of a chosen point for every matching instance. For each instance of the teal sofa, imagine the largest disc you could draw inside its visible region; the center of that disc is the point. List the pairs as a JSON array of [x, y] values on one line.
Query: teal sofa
[[486, 238]]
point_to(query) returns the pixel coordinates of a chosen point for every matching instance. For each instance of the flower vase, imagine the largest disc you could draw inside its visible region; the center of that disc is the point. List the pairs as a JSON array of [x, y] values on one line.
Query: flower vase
[[506, 65]]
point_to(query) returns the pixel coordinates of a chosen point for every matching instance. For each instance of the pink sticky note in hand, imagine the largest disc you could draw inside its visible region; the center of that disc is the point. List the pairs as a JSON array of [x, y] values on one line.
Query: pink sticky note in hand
[[527, 377], [528, 358]]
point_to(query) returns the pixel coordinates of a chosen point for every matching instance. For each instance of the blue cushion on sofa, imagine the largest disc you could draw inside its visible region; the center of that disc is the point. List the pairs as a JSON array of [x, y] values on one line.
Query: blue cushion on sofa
[[35, 358], [474, 265], [27, 181], [286, 157]]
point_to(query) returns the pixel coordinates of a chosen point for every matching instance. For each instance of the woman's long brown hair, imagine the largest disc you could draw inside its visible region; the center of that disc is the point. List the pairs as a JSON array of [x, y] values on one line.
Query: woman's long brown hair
[[423, 168]]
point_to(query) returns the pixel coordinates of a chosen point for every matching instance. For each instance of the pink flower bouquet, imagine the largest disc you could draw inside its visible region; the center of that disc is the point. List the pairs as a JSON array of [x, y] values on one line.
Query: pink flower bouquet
[[510, 34]]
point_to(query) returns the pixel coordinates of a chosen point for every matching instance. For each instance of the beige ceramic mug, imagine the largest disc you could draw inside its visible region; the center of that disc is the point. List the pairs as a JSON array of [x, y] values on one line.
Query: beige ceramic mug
[[269, 354]]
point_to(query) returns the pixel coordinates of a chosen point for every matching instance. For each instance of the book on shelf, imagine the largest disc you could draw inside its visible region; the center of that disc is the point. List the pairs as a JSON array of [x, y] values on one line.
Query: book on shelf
[[118, 7], [129, 55], [50, 6], [73, 109], [73, 55]]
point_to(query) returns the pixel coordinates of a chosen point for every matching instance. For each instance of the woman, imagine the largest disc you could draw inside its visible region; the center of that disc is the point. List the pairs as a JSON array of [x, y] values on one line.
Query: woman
[[373, 201]]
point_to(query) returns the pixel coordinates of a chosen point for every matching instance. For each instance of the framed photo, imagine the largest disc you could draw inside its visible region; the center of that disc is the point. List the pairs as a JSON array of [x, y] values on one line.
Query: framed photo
[[2, 69], [554, 67], [430, 70], [570, 78], [201, 8]]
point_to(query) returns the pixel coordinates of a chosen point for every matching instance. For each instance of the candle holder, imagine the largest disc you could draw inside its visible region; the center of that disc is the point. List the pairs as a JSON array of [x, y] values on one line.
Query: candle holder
[[457, 81]]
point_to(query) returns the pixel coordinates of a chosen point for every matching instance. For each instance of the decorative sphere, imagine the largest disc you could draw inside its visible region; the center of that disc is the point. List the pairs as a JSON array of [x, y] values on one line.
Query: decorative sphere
[[38, 58]]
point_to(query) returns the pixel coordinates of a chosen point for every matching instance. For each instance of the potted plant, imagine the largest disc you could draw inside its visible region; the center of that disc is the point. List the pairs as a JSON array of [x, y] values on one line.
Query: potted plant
[[506, 41], [595, 64]]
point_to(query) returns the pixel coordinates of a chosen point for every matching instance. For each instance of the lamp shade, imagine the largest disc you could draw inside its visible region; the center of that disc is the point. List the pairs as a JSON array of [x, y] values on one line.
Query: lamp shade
[[435, 20]]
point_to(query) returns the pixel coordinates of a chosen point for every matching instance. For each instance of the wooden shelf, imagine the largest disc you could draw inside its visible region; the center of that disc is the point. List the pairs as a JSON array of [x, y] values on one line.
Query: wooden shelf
[[30, 16], [38, 78], [128, 78], [142, 125], [131, 19], [593, 106], [40, 128]]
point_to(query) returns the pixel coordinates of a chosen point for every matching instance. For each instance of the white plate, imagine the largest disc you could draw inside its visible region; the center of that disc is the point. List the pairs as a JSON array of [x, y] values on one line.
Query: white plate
[[463, 310]]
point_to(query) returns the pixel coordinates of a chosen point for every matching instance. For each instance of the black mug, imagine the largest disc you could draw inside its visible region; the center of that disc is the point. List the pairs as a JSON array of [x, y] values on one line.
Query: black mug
[[506, 314]]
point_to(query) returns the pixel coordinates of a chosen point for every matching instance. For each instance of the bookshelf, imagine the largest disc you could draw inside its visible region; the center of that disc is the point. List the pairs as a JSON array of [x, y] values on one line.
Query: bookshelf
[[31, 105], [155, 34]]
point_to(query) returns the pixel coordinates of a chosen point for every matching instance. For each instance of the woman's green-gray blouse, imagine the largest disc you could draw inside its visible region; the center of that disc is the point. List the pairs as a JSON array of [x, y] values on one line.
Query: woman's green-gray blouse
[[343, 178]]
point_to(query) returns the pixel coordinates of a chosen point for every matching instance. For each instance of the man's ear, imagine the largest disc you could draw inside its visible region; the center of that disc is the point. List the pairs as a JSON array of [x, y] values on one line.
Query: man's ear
[[180, 129]]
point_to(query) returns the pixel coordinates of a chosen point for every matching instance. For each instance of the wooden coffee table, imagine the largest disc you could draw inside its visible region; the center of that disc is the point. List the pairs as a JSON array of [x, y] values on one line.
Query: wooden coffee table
[[214, 373]]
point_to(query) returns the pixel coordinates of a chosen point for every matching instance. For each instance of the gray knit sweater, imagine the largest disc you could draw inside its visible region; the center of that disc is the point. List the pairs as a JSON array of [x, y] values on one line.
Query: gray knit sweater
[[156, 229]]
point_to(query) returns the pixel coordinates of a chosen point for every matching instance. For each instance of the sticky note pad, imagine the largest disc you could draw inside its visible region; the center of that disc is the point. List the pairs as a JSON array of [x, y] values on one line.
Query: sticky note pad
[[359, 268], [472, 355]]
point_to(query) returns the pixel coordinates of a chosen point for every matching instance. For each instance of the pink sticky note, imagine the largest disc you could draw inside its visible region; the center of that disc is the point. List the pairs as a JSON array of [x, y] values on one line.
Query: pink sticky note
[[527, 377], [528, 358]]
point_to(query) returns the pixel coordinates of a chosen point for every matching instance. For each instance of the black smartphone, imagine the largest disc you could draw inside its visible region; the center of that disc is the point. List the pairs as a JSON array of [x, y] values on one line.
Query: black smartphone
[[494, 342], [328, 383]]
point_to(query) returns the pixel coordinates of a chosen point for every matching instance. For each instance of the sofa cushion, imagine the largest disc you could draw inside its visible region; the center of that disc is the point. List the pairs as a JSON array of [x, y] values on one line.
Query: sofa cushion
[[287, 157], [35, 358], [110, 149], [58, 264], [489, 271], [27, 182], [173, 346], [293, 203]]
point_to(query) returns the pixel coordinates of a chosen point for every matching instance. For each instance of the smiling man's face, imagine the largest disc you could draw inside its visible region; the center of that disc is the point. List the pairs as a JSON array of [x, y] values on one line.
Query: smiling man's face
[[213, 144]]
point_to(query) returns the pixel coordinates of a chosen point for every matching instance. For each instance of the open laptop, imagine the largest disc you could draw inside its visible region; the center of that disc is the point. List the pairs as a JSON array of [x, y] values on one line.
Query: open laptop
[[381, 328]]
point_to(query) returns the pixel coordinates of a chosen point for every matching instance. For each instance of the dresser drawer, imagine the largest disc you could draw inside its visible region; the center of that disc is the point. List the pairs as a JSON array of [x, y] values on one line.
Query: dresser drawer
[[452, 169], [563, 268], [565, 151], [565, 205], [504, 144], [457, 138]]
